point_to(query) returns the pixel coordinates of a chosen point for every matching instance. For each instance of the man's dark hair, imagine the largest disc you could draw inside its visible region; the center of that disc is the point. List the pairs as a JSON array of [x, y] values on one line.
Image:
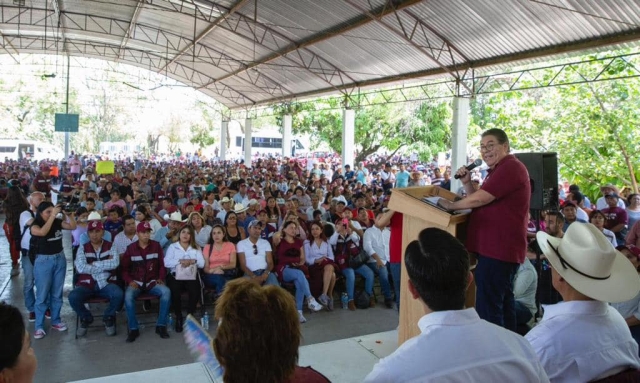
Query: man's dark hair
[[577, 197], [438, 267], [499, 134], [11, 335], [127, 217], [557, 214]]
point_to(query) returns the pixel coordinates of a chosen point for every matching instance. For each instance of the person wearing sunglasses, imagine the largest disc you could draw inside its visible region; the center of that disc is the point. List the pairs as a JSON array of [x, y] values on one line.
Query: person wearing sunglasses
[[254, 255]]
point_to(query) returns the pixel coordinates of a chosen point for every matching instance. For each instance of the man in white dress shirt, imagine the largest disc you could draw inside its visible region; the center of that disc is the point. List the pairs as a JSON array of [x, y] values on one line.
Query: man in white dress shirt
[[455, 345], [376, 244], [583, 338]]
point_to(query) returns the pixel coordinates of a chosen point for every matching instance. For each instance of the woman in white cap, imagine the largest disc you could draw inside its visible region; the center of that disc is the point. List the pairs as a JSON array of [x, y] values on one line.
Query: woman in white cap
[[583, 338]]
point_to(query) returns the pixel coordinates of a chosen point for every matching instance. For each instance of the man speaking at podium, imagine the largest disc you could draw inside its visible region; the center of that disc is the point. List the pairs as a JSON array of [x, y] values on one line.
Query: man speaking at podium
[[497, 229]]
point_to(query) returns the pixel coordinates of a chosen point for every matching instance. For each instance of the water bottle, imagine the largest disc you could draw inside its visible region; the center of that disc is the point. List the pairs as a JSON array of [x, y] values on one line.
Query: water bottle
[[344, 298], [169, 322], [205, 321]]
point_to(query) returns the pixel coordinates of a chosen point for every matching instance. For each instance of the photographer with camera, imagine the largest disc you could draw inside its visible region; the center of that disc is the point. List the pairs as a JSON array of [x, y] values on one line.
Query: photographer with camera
[[50, 264]]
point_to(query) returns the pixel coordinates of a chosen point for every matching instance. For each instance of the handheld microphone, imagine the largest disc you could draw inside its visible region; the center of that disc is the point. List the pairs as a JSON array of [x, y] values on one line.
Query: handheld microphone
[[471, 166]]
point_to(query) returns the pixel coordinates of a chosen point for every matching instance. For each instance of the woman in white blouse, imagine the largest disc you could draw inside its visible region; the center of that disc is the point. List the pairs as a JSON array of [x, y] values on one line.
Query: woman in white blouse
[[201, 229], [185, 252], [322, 268]]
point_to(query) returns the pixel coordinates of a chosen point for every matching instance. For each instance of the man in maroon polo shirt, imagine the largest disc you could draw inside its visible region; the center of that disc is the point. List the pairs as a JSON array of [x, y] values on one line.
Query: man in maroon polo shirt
[[497, 230]]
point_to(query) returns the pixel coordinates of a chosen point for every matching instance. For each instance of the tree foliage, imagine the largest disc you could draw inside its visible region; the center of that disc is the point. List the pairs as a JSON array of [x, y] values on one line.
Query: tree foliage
[[592, 126], [390, 127]]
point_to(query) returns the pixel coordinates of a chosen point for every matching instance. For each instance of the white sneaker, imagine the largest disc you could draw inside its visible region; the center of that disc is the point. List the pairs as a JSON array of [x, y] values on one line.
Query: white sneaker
[[60, 326], [301, 317], [314, 305], [39, 334]]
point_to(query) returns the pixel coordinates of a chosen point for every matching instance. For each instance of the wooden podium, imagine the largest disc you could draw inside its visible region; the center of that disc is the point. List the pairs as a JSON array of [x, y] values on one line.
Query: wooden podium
[[419, 215]]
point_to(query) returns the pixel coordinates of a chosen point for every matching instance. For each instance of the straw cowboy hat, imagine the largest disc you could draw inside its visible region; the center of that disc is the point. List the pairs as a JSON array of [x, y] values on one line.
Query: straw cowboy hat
[[240, 208], [225, 200], [585, 258], [609, 186], [176, 216]]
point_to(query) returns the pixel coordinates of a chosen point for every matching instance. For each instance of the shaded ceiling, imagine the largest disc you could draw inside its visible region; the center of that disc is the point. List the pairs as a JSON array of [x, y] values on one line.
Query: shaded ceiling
[[252, 52]]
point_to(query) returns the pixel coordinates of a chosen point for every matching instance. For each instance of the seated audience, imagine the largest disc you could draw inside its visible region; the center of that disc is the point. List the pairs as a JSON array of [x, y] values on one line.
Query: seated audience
[[184, 254], [322, 266], [254, 255], [598, 219], [143, 271], [219, 260], [96, 264]]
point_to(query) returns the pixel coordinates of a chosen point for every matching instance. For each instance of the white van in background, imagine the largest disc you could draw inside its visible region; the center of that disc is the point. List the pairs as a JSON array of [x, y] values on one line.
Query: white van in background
[[14, 149]]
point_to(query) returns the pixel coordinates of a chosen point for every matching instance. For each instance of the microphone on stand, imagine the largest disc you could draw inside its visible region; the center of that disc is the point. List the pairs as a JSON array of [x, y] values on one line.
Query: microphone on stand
[[471, 166]]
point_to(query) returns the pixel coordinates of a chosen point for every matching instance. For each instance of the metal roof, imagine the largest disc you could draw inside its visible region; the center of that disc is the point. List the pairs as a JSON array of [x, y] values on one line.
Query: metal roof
[[249, 52]]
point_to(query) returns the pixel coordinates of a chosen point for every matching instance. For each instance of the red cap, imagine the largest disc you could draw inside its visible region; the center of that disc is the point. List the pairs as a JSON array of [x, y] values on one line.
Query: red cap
[[143, 226], [94, 225]]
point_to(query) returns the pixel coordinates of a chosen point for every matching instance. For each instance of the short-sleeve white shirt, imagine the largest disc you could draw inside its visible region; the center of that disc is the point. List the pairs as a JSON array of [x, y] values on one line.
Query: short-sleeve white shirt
[[254, 261]]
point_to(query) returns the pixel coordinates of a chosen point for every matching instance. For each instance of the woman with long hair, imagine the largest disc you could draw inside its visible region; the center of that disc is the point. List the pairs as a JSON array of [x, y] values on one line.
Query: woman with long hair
[[105, 193], [633, 209], [322, 268], [143, 213], [50, 264], [597, 218], [274, 212], [235, 233], [346, 244], [183, 253], [209, 216], [202, 230], [14, 204], [290, 266], [219, 260]]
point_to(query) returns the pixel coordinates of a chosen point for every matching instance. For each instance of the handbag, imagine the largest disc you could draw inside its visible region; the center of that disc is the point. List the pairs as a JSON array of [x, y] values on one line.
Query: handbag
[[186, 273], [355, 261]]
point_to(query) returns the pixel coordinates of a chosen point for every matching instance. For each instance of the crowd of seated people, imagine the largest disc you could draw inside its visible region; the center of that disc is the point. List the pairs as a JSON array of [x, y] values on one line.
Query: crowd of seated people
[[161, 229], [136, 231]]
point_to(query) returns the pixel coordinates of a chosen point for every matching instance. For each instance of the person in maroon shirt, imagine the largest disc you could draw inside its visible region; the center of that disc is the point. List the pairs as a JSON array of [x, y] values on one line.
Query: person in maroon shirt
[[497, 229], [617, 218]]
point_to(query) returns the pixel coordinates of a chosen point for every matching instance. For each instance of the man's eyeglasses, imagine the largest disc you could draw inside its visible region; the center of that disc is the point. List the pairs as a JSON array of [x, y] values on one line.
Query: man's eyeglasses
[[255, 249], [487, 148]]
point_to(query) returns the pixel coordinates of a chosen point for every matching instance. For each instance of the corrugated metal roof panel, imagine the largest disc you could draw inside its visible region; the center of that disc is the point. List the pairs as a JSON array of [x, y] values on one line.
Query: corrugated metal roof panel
[[489, 33]]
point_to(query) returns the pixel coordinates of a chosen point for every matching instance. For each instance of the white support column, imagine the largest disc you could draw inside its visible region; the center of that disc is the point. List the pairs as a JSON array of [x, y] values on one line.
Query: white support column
[[459, 138], [223, 140], [286, 135], [247, 142], [348, 137]]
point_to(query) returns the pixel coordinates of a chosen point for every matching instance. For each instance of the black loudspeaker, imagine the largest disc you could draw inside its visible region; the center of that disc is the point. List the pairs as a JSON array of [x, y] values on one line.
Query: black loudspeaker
[[543, 174]]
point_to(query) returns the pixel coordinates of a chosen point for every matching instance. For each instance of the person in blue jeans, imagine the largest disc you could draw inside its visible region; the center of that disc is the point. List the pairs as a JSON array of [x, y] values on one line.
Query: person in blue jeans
[[96, 264], [50, 265], [143, 271], [350, 281], [376, 244], [254, 255]]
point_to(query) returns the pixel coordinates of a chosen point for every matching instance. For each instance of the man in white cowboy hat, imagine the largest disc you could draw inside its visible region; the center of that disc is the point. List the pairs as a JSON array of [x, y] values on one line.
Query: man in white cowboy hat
[[84, 237], [241, 211], [601, 203], [226, 204], [583, 338], [167, 235]]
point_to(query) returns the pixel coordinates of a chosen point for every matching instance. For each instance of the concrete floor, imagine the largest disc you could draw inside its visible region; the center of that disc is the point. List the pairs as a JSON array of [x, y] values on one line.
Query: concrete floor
[[61, 358]]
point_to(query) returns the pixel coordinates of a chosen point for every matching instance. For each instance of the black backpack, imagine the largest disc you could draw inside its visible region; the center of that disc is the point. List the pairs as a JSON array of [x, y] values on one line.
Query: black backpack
[[362, 300], [19, 233]]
